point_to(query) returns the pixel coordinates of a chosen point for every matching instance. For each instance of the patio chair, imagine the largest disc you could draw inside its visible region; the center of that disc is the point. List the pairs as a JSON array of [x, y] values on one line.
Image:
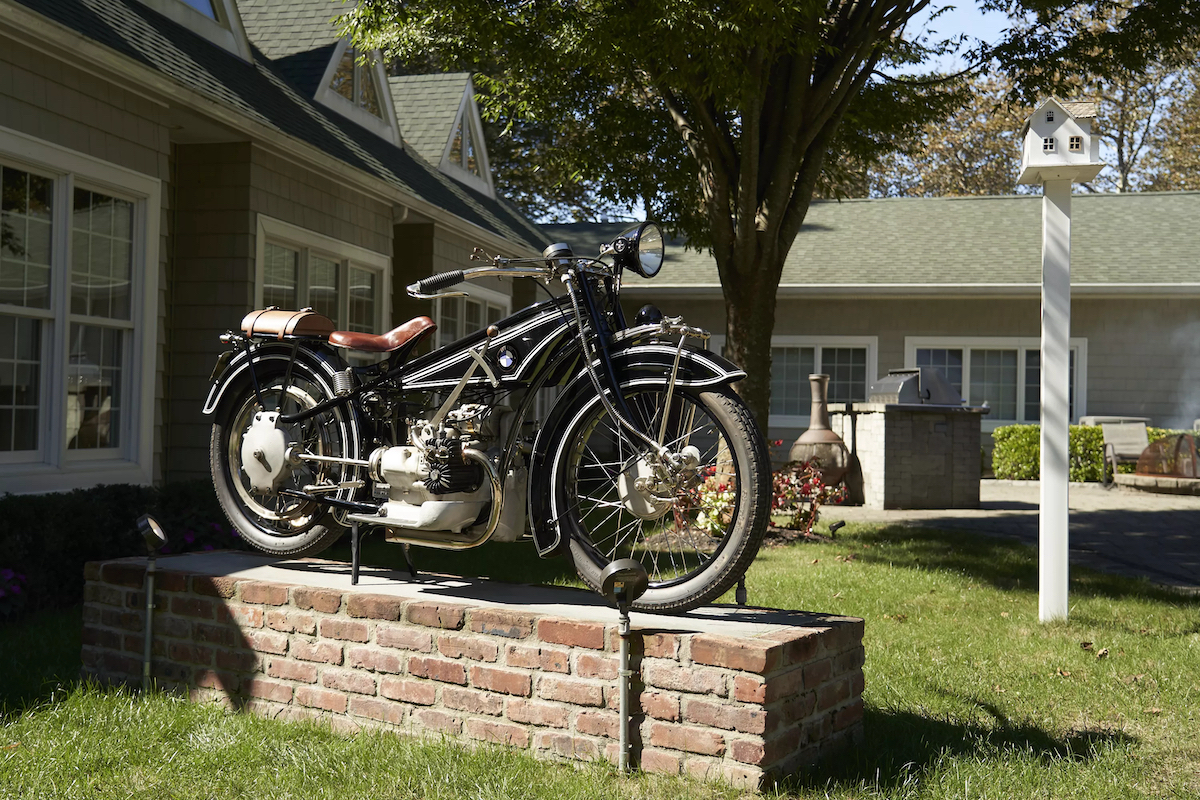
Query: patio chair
[[1123, 444]]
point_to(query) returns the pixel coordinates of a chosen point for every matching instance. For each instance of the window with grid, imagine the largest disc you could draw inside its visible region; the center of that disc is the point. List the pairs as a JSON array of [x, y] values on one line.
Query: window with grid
[[791, 392], [457, 317], [354, 80], [1076, 144]]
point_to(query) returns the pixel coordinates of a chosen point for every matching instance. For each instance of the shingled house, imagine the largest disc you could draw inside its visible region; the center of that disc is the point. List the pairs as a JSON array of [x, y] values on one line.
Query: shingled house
[[167, 165], [873, 285]]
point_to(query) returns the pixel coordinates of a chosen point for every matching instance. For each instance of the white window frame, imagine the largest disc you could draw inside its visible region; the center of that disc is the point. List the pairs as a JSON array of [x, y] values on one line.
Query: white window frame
[[387, 128], [226, 31], [345, 254], [52, 467], [871, 343], [1019, 343], [475, 292], [468, 117]]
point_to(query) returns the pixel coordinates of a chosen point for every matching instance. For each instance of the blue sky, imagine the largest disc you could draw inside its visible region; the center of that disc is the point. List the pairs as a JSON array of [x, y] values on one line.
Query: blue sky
[[963, 17]]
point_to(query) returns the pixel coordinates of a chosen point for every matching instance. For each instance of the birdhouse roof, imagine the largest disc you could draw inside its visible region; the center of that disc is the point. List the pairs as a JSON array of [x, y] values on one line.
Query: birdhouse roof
[[1076, 109]]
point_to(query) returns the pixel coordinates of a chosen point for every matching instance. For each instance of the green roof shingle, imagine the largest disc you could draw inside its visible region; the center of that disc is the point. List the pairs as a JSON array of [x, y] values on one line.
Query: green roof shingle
[[426, 106]]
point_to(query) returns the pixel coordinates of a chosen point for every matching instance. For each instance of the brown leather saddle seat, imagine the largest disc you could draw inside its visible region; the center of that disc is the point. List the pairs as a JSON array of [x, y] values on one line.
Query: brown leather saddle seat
[[410, 332]]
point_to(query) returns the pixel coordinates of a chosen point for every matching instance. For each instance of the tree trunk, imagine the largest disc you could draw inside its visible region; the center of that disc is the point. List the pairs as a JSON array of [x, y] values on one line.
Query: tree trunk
[[749, 322]]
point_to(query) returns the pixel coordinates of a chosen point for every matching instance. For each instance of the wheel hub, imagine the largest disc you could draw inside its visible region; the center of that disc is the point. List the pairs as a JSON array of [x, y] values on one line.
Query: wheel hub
[[264, 449]]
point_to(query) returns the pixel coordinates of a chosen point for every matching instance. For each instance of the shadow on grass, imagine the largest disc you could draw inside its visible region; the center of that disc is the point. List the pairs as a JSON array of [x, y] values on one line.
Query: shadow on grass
[[900, 745], [994, 561]]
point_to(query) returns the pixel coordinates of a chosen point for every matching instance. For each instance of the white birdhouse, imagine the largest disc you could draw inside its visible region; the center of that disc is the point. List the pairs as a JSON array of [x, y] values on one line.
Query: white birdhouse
[[1057, 143]]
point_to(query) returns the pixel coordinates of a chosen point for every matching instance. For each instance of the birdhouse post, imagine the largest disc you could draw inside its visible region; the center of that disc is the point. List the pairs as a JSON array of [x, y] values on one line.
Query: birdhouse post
[[1058, 149]]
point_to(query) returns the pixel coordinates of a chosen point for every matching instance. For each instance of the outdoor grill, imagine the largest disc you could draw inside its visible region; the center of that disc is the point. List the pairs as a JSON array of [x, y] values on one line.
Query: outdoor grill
[[913, 387]]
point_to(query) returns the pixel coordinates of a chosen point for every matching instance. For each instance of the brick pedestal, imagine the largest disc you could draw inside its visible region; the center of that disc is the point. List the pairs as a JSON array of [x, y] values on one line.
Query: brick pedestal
[[722, 693]]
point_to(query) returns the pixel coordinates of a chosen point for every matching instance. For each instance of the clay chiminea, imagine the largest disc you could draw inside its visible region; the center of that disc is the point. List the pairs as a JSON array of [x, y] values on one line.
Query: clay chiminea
[[819, 442]]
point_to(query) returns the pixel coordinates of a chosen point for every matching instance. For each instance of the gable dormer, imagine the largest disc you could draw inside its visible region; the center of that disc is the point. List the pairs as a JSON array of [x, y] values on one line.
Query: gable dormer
[[441, 122], [215, 20], [355, 86]]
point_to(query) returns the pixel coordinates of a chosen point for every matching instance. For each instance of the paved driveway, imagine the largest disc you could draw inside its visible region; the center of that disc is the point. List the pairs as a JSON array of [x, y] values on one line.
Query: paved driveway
[[1115, 530]]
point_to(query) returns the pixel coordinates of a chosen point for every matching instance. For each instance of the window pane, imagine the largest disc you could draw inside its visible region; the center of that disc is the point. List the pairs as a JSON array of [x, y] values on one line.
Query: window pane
[[323, 286], [1033, 385], [847, 370], [994, 381], [102, 255], [20, 376], [950, 362], [279, 276], [495, 314], [94, 387], [471, 165], [362, 300], [790, 368], [449, 320], [474, 319], [25, 237], [367, 97], [456, 146], [343, 77], [205, 7]]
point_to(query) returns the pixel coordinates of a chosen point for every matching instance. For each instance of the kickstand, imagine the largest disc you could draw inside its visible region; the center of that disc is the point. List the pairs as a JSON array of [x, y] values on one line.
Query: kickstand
[[740, 594], [353, 553], [412, 571]]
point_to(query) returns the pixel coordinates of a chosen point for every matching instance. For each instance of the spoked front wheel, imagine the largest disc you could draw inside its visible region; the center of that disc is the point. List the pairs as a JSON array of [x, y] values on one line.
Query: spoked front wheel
[[694, 524]]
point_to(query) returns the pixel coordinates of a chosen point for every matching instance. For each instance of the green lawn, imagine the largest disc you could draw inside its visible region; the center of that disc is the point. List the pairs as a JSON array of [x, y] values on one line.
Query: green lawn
[[967, 696]]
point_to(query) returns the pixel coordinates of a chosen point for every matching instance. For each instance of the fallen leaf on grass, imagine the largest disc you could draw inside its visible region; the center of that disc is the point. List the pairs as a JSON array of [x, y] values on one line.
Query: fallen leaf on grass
[[1102, 652], [1153, 710], [1086, 645], [897, 617], [836, 596], [1004, 614], [1133, 678], [12, 746], [1000, 690], [815, 560], [1064, 673]]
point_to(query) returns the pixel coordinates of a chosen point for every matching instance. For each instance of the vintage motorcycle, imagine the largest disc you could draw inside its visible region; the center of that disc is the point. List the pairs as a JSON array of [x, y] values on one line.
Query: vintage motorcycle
[[646, 451]]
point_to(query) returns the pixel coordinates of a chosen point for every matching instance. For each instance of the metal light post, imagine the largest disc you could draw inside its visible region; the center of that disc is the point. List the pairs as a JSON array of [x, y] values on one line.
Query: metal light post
[[152, 534], [623, 582]]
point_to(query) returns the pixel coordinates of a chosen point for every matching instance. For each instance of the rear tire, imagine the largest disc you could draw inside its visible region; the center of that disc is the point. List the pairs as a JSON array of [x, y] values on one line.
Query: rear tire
[[693, 556], [268, 521]]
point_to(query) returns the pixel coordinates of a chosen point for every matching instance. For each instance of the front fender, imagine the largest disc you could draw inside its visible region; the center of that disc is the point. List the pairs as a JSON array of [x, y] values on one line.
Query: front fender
[[261, 355], [636, 365]]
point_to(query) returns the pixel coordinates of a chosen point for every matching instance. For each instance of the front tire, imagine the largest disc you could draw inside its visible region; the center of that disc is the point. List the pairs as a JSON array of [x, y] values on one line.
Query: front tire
[[269, 521], [696, 542]]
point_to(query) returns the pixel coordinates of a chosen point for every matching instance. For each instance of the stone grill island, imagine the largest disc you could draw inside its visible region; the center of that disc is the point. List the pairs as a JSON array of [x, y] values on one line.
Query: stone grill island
[[723, 693]]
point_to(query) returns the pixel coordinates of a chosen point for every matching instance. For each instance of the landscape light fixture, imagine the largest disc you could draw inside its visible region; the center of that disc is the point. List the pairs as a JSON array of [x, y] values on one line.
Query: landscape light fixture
[[155, 539], [622, 582]]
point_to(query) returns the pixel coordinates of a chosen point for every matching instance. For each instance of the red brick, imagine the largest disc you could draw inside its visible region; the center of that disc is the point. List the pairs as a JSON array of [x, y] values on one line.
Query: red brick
[[91, 614], [246, 616], [658, 761], [439, 721], [313, 697], [471, 647], [190, 654], [797, 708], [270, 690], [267, 594], [374, 659], [404, 638], [857, 683], [660, 645], [597, 723], [375, 606], [169, 581], [786, 684], [739, 777], [97, 637], [436, 615], [698, 680], [727, 717], [744, 655], [124, 574], [173, 627], [661, 706], [783, 746], [688, 739], [570, 691], [212, 679], [292, 670], [499, 732], [125, 620], [501, 680], [832, 693], [192, 607], [344, 629], [214, 586], [747, 751], [501, 622], [105, 595], [701, 769], [547, 659], [348, 681], [91, 570], [594, 666], [749, 690], [848, 715], [267, 642], [215, 634], [419, 692], [325, 652], [278, 619], [571, 633], [818, 672], [133, 644], [818, 729], [534, 713], [237, 660], [849, 661], [382, 710], [438, 669], [306, 598], [472, 701], [567, 746]]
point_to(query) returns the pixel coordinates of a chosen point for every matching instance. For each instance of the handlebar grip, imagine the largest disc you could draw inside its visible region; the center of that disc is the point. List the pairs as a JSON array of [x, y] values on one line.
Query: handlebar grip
[[435, 282]]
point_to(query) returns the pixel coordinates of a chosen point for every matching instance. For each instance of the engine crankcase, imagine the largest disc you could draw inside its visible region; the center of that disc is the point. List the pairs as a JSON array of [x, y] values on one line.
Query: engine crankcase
[[412, 505]]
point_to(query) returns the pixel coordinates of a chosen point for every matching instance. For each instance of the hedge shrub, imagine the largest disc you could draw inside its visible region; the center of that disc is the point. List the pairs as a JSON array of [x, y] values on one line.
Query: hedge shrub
[[1017, 455], [46, 539]]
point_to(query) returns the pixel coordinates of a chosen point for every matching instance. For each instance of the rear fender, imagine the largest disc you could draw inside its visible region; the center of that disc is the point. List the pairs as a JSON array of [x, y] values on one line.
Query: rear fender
[[637, 365], [263, 355]]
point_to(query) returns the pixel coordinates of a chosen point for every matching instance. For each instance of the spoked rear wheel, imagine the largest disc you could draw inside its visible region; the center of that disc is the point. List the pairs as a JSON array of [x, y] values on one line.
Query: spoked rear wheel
[[695, 529], [269, 520]]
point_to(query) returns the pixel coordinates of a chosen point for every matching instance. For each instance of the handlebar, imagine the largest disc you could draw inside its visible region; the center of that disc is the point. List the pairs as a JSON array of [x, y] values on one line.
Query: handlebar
[[430, 288], [435, 282]]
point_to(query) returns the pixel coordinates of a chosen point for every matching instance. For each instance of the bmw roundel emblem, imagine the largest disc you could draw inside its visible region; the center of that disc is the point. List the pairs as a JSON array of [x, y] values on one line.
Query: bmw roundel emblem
[[507, 358]]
